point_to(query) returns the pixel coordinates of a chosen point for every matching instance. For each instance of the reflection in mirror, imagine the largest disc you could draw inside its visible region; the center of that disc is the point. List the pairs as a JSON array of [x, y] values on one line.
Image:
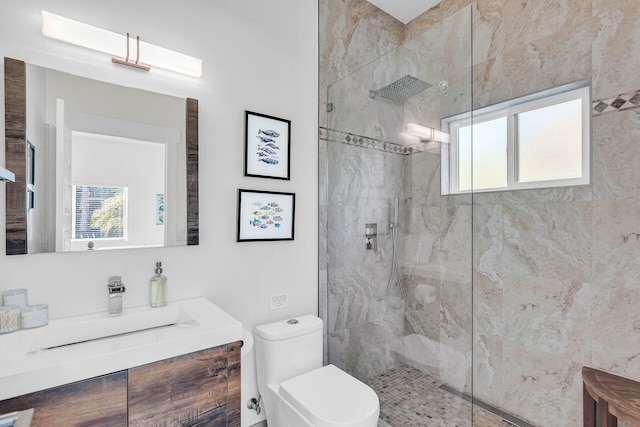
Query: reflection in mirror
[[110, 167]]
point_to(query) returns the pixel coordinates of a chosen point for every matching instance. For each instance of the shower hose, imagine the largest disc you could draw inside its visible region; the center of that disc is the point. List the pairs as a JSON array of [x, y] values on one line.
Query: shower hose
[[394, 275]]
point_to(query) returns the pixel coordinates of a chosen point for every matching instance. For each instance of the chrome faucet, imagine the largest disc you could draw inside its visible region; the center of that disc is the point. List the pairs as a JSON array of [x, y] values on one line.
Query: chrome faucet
[[116, 289]]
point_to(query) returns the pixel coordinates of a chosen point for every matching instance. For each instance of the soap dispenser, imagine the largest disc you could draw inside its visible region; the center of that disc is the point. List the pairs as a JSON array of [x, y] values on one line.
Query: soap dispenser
[[158, 287]]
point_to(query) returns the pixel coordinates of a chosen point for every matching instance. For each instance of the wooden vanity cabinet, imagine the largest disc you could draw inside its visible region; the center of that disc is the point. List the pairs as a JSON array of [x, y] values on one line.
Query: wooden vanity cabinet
[[100, 401], [196, 389]]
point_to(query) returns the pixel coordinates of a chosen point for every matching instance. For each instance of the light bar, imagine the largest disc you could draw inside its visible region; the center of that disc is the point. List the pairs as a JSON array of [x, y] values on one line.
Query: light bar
[[7, 175], [94, 38], [427, 134]]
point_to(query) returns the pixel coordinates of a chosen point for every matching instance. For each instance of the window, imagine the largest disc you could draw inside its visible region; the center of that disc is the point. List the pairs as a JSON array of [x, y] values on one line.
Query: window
[[99, 212], [538, 141]]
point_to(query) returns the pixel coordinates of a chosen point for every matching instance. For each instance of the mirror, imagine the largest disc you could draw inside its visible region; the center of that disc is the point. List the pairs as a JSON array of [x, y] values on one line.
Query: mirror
[[98, 166]]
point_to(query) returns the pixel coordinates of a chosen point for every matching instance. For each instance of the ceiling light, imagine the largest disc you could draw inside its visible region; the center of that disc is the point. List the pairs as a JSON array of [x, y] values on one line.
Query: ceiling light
[[118, 45]]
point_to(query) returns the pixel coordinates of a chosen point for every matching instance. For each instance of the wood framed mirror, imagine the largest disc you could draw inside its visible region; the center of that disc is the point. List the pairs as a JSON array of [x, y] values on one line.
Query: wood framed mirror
[[151, 156]]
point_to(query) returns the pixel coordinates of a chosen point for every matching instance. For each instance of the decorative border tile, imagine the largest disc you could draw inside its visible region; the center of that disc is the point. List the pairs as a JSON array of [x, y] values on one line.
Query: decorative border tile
[[624, 101], [365, 142]]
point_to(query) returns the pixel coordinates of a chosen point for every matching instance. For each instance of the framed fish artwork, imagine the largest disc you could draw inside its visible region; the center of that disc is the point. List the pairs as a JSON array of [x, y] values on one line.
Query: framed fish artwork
[[265, 215], [267, 146]]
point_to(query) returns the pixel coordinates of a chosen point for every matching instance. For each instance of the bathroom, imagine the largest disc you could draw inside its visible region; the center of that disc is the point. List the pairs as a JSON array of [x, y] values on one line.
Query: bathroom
[[263, 56]]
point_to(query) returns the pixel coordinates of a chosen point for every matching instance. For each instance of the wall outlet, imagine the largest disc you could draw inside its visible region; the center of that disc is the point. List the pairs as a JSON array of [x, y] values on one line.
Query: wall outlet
[[279, 301]]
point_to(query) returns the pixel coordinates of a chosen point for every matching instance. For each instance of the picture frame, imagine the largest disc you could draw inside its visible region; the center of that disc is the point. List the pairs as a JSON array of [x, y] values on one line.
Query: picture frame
[[160, 209], [265, 215], [267, 146]]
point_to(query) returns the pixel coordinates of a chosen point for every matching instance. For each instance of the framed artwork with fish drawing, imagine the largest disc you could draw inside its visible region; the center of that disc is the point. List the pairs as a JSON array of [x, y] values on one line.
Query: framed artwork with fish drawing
[[265, 215], [267, 146]]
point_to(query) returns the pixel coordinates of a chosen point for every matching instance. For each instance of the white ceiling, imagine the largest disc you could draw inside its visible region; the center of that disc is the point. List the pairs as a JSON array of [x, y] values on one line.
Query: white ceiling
[[404, 10]]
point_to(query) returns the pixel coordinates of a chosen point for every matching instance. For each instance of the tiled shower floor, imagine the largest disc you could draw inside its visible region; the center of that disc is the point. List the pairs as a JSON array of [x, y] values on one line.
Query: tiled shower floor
[[412, 398]]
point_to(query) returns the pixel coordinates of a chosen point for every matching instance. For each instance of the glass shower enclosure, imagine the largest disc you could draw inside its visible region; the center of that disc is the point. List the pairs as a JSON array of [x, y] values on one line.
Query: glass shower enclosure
[[395, 255]]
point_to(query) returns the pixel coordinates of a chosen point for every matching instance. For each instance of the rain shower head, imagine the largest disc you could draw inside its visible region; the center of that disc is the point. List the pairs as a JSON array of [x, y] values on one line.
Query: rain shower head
[[401, 90]]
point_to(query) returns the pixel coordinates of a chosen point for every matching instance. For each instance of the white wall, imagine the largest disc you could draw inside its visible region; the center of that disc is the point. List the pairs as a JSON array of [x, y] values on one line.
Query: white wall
[[119, 165], [259, 56]]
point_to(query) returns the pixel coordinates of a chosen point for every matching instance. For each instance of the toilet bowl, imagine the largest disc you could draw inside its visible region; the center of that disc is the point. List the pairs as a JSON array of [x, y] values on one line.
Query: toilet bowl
[[297, 391]]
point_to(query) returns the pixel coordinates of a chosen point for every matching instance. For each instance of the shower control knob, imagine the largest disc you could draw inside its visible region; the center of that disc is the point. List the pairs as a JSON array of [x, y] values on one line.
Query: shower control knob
[[443, 88]]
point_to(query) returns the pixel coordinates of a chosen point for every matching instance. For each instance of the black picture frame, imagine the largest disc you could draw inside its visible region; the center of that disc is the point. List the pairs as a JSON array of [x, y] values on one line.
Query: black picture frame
[[267, 146], [265, 215]]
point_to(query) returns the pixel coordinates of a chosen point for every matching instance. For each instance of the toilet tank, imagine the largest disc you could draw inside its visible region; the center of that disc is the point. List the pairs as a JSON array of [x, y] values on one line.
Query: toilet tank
[[288, 348]]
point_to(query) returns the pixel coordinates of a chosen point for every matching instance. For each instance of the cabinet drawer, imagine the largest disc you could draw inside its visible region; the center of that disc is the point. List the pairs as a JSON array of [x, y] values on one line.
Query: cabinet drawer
[[191, 389], [100, 401]]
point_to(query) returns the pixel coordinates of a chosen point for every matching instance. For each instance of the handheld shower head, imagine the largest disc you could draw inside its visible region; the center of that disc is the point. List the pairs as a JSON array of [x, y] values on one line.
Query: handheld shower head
[[396, 210]]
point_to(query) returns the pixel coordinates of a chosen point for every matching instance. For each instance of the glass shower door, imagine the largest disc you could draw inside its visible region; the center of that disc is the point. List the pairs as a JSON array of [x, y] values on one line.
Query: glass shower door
[[409, 336]]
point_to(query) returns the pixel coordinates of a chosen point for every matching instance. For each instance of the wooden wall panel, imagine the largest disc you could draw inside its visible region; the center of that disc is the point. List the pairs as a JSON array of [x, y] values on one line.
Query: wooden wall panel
[[15, 104], [193, 213], [100, 401]]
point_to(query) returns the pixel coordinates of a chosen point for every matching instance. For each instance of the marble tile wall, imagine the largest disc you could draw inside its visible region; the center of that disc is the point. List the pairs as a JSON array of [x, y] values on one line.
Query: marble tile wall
[[352, 33], [360, 186], [365, 171], [554, 272]]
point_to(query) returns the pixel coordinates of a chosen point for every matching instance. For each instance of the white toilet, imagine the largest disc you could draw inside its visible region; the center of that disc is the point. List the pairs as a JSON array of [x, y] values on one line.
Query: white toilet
[[297, 391]]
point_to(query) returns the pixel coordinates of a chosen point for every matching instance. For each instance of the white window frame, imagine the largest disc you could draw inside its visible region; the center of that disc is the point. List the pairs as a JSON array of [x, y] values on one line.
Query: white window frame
[[510, 110]]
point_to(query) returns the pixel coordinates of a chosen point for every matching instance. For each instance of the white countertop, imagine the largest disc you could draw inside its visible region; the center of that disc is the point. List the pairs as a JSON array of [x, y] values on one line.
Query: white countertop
[[25, 367]]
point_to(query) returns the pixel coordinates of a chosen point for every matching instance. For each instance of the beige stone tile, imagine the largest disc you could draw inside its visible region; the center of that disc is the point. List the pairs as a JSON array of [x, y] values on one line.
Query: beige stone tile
[[370, 348], [616, 52], [423, 22], [582, 193], [543, 26], [488, 241], [441, 12], [616, 155], [422, 178], [530, 68], [616, 242], [454, 254], [422, 307], [420, 244], [548, 240], [616, 330], [488, 339], [353, 33], [546, 343]]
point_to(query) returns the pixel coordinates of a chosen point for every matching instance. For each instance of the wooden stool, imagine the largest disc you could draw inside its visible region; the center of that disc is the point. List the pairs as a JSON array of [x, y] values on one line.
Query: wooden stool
[[614, 397]]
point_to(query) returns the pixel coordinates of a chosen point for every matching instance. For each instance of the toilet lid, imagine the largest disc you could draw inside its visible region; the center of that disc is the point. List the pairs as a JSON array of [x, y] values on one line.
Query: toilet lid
[[329, 397]]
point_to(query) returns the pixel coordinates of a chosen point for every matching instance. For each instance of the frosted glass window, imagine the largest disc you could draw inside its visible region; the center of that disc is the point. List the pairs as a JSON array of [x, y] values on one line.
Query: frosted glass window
[[553, 150], [541, 140], [488, 155]]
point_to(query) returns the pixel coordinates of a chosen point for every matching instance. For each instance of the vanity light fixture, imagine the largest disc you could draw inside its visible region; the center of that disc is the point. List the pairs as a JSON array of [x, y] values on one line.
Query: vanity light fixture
[[118, 45], [7, 175], [427, 134], [126, 61]]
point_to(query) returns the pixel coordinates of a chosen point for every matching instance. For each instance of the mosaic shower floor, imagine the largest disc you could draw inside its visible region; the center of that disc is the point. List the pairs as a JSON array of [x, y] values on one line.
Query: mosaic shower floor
[[412, 398]]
